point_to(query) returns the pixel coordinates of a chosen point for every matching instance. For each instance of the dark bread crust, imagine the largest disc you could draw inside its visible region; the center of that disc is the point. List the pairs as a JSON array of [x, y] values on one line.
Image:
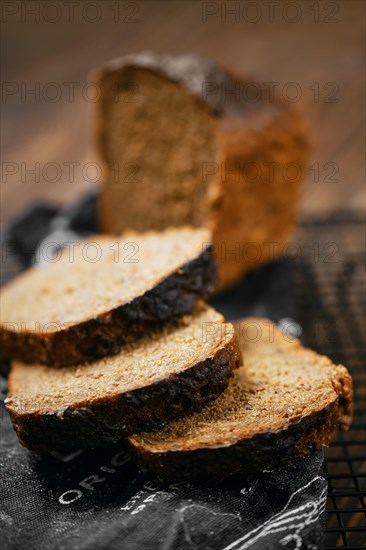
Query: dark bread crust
[[104, 335], [194, 73], [267, 450], [104, 421]]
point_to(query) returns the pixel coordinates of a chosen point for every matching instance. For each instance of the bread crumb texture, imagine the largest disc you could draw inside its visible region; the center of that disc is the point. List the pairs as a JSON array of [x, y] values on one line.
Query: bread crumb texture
[[97, 276], [279, 384], [161, 354]]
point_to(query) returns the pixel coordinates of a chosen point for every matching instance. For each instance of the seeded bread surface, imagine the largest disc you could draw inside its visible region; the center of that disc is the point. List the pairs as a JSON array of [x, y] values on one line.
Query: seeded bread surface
[[285, 401]]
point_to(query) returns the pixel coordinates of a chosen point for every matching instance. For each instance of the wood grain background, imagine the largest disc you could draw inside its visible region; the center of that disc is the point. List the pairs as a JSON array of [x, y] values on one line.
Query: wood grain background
[[48, 49]]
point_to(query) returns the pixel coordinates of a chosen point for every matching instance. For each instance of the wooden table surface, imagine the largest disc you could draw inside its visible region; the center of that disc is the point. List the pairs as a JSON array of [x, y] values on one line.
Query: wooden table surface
[[312, 51]]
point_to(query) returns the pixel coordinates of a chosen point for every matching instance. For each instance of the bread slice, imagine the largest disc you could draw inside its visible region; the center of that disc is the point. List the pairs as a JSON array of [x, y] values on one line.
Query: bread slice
[[103, 293], [177, 368], [184, 141], [286, 401]]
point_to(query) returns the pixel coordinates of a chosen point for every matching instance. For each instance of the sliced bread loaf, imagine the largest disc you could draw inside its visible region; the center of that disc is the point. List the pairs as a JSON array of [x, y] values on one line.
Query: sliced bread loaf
[[286, 401], [103, 293], [177, 368], [184, 141]]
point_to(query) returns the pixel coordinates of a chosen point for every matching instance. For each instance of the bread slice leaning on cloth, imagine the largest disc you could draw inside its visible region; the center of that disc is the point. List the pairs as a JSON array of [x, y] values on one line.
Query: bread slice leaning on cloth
[[177, 368], [103, 293], [286, 401]]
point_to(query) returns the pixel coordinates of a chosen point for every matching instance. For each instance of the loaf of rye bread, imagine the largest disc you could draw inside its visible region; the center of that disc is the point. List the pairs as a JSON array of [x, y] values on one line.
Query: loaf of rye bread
[[170, 370], [286, 401], [184, 141], [103, 293]]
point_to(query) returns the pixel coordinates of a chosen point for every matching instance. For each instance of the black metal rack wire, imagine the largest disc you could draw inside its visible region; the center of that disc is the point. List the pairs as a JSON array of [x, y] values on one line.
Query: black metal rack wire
[[329, 285]]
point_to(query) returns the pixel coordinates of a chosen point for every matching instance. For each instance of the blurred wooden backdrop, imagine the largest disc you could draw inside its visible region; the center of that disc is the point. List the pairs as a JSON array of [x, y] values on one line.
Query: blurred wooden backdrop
[[312, 50]]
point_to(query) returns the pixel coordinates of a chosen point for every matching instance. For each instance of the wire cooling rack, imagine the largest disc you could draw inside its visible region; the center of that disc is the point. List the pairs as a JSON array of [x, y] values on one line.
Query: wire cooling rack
[[329, 281]]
